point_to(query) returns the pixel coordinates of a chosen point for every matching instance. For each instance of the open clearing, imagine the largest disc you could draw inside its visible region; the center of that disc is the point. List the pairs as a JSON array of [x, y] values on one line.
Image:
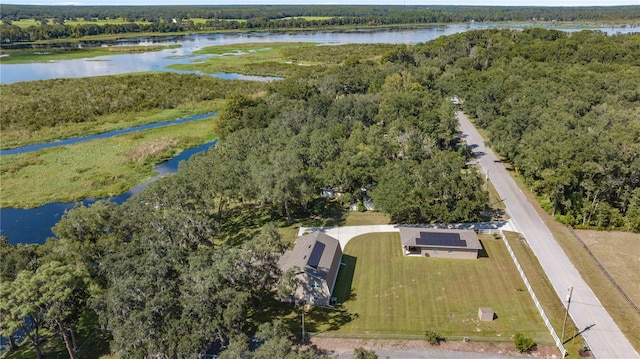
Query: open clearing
[[619, 253], [387, 293]]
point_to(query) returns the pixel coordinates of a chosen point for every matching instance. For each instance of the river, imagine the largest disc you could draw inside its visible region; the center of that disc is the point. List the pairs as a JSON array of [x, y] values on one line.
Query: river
[[34, 225]]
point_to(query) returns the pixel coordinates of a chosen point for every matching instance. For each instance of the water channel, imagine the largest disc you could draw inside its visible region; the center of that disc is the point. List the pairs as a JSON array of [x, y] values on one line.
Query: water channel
[[34, 225]]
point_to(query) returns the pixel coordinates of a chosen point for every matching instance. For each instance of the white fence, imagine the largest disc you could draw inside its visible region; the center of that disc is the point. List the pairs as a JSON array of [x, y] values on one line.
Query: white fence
[[534, 297]]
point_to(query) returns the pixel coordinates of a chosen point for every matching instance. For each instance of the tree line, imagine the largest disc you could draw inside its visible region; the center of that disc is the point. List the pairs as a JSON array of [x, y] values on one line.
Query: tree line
[[562, 108], [167, 272], [167, 19], [189, 261], [33, 105]]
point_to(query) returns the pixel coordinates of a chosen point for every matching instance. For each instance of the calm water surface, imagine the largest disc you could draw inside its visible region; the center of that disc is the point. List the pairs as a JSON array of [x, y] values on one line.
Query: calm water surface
[[159, 60], [33, 225]]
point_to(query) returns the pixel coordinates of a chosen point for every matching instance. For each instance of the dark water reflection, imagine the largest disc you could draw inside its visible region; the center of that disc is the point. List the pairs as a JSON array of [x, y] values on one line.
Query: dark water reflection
[[71, 141], [159, 60], [34, 225]]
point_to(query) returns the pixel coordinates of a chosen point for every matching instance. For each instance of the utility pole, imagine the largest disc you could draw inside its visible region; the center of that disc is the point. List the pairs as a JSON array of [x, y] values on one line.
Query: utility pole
[[564, 323]]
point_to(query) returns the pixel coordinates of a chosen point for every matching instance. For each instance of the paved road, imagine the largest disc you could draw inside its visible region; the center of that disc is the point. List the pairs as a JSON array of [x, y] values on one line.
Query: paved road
[[604, 338]]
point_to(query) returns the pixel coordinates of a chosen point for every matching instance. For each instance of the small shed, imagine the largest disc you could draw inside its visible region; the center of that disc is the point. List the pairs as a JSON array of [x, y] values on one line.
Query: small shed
[[485, 314]]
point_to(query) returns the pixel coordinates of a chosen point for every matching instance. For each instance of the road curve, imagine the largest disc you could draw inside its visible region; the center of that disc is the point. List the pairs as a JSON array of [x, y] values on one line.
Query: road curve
[[604, 337]]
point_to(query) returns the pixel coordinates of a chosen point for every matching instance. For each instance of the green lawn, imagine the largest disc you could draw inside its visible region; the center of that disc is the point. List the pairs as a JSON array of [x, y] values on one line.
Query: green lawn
[[387, 293]]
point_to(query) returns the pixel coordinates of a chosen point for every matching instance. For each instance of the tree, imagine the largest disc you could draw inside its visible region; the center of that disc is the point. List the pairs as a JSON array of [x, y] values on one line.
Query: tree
[[55, 295], [433, 337], [439, 189], [19, 311], [281, 178], [632, 217], [523, 344]]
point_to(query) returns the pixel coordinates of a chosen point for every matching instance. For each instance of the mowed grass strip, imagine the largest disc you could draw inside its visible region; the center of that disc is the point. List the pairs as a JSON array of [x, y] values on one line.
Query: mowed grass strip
[[98, 168], [387, 293]]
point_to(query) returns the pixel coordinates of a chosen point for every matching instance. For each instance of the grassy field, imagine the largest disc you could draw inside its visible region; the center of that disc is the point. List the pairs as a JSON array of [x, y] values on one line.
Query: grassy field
[[199, 20], [97, 168], [28, 56], [388, 293], [619, 253], [308, 18]]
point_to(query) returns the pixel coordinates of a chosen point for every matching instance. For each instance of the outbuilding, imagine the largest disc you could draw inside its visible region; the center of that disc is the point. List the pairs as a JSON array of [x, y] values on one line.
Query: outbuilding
[[485, 314]]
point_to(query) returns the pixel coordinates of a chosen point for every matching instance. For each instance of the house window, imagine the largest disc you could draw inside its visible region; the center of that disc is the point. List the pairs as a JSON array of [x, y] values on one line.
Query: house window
[[435, 250], [315, 284], [450, 251]]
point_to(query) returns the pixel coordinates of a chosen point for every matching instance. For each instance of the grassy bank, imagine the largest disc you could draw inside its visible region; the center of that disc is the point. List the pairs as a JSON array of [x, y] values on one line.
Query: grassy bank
[[252, 58], [98, 168], [31, 55], [20, 137]]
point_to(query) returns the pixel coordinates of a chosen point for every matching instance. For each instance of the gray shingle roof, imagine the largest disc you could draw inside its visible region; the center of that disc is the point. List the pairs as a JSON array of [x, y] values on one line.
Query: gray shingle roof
[[313, 253]]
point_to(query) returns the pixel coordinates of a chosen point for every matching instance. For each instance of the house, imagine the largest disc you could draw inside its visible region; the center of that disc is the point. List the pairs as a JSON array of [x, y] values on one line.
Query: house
[[440, 243], [316, 258]]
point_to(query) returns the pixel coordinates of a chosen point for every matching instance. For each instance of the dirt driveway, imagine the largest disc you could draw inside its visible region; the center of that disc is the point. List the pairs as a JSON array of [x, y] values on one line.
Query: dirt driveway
[[418, 349]]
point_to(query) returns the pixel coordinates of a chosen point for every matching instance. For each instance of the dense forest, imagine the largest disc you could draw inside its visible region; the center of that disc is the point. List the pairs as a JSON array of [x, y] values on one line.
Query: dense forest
[[196, 276], [166, 19], [191, 260], [562, 108], [32, 105]]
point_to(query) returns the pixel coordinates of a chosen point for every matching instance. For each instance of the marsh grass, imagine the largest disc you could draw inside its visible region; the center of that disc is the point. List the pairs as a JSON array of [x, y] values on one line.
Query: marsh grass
[[15, 137], [279, 59], [251, 58], [31, 55], [98, 168]]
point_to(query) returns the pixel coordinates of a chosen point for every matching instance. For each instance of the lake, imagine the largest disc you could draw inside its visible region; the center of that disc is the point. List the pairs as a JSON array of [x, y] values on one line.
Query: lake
[[33, 225], [159, 60]]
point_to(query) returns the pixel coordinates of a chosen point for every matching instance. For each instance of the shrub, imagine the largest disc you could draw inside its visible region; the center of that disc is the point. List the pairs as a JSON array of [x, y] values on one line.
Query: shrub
[[362, 353], [523, 344], [433, 337]]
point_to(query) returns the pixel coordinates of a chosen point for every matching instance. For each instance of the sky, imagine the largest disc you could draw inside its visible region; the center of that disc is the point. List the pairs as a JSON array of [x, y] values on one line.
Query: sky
[[330, 2]]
